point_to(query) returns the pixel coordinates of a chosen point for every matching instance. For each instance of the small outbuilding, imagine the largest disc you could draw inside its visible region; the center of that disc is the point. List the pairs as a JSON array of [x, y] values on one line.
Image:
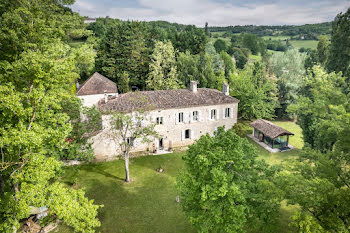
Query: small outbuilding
[[270, 134]]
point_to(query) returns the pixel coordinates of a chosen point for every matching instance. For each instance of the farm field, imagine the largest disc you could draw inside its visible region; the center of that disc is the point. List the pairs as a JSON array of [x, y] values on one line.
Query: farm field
[[312, 44], [147, 204]]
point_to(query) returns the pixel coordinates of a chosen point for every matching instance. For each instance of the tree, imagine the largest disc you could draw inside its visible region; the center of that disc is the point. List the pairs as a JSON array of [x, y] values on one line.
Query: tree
[[322, 49], [84, 57], [220, 45], [218, 64], [188, 68], [125, 47], [190, 39], [256, 91], [289, 69], [33, 129], [123, 83], [240, 57], [250, 41], [321, 109], [162, 75], [28, 24], [224, 187], [128, 128], [339, 51], [206, 29], [229, 65]]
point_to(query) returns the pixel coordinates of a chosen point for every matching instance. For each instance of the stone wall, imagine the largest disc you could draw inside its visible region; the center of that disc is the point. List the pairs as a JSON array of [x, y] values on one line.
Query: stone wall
[[172, 132]]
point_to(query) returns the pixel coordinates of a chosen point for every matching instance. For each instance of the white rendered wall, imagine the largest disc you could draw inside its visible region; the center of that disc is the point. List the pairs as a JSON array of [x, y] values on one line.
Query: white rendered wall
[[171, 131], [90, 100]]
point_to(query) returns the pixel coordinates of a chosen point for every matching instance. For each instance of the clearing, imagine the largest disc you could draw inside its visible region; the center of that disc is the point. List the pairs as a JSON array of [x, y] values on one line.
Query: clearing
[[148, 203]]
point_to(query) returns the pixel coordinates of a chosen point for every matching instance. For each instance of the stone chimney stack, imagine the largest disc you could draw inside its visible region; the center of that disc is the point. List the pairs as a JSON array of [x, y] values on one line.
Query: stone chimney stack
[[106, 97], [193, 86], [226, 89]]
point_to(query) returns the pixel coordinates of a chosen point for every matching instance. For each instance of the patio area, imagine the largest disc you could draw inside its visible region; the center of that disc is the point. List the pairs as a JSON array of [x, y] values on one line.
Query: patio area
[[270, 136], [268, 148]]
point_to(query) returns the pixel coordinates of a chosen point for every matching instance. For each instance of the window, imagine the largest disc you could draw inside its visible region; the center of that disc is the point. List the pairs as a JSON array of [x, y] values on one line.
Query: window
[[187, 134], [181, 117], [213, 114], [130, 141], [195, 116], [227, 113], [159, 120]]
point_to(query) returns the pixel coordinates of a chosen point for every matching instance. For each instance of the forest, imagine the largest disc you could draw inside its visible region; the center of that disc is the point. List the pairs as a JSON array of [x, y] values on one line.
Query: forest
[[46, 49]]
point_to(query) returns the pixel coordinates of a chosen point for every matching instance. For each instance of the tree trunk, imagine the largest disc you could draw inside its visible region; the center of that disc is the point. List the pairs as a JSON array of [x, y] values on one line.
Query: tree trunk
[[2, 184], [126, 159]]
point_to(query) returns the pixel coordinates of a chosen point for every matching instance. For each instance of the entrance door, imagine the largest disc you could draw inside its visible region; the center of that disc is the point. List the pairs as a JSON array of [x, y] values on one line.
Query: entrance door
[[161, 144]]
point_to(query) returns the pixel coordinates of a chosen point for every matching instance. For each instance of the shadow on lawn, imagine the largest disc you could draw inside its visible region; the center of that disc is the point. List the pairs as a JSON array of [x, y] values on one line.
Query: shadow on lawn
[[101, 171]]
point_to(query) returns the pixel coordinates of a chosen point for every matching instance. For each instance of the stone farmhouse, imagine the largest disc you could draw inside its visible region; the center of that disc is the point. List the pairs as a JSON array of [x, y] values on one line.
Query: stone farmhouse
[[181, 116]]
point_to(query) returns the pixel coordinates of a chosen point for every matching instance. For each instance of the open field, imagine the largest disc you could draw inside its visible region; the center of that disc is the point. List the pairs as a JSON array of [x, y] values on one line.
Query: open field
[[312, 44], [276, 37], [147, 203]]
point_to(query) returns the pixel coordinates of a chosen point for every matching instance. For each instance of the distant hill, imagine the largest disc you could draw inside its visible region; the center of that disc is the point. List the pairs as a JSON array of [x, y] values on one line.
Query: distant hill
[[285, 30]]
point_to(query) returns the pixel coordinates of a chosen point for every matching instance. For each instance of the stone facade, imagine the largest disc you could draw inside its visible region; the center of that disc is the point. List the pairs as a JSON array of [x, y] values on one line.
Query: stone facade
[[172, 132], [181, 116]]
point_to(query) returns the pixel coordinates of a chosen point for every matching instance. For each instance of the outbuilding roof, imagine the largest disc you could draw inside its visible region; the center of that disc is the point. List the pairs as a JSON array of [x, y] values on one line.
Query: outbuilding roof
[[97, 84], [269, 129], [166, 99]]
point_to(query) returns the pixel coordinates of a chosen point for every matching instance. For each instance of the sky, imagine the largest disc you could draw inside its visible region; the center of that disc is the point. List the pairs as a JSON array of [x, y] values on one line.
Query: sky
[[216, 12]]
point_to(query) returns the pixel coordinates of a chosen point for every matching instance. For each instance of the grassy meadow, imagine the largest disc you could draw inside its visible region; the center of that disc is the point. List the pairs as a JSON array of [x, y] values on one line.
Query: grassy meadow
[[147, 204]]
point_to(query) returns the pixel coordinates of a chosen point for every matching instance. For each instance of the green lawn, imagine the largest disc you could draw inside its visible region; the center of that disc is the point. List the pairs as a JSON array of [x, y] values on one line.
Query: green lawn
[[147, 204], [276, 37], [312, 44]]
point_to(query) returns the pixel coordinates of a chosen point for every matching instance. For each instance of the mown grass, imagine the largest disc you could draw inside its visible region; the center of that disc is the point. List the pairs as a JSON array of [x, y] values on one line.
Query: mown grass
[[147, 204], [276, 37], [311, 44]]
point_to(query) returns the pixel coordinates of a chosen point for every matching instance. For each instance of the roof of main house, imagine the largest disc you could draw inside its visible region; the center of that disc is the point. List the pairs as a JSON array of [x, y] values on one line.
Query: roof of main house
[[97, 84], [269, 129], [165, 99]]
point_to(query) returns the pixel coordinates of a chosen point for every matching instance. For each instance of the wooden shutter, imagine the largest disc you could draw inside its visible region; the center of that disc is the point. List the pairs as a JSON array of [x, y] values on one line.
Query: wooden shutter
[[182, 135], [209, 113], [176, 118], [185, 115], [223, 113], [190, 117], [217, 114], [192, 134], [231, 112]]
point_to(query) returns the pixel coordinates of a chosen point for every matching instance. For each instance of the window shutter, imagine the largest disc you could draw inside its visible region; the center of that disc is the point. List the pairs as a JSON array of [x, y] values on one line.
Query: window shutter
[[200, 116], [192, 134], [190, 117], [182, 135], [185, 117], [223, 113], [231, 112], [209, 111], [217, 114], [176, 118]]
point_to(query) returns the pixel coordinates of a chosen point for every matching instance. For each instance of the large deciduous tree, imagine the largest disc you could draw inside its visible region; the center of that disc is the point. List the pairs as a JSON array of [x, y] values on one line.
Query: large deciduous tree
[[162, 75], [289, 69], [127, 129], [256, 90], [339, 51], [224, 187]]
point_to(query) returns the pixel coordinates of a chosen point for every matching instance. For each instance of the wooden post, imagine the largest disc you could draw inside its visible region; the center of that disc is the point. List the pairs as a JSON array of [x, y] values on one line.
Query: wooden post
[[287, 140]]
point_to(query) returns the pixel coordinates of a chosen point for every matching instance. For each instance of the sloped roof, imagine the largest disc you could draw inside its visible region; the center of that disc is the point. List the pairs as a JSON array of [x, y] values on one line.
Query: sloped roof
[[97, 84], [165, 99], [269, 129]]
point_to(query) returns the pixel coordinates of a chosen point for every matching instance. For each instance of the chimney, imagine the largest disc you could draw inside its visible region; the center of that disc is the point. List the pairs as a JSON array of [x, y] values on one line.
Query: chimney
[[193, 86], [106, 97], [225, 89]]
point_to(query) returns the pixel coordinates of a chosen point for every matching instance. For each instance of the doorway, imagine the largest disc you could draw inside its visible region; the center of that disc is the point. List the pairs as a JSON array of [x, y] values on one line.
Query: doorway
[[161, 144]]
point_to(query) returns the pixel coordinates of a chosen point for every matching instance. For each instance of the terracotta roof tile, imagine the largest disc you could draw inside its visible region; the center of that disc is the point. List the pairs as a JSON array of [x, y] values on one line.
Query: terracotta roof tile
[[166, 99], [97, 84]]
